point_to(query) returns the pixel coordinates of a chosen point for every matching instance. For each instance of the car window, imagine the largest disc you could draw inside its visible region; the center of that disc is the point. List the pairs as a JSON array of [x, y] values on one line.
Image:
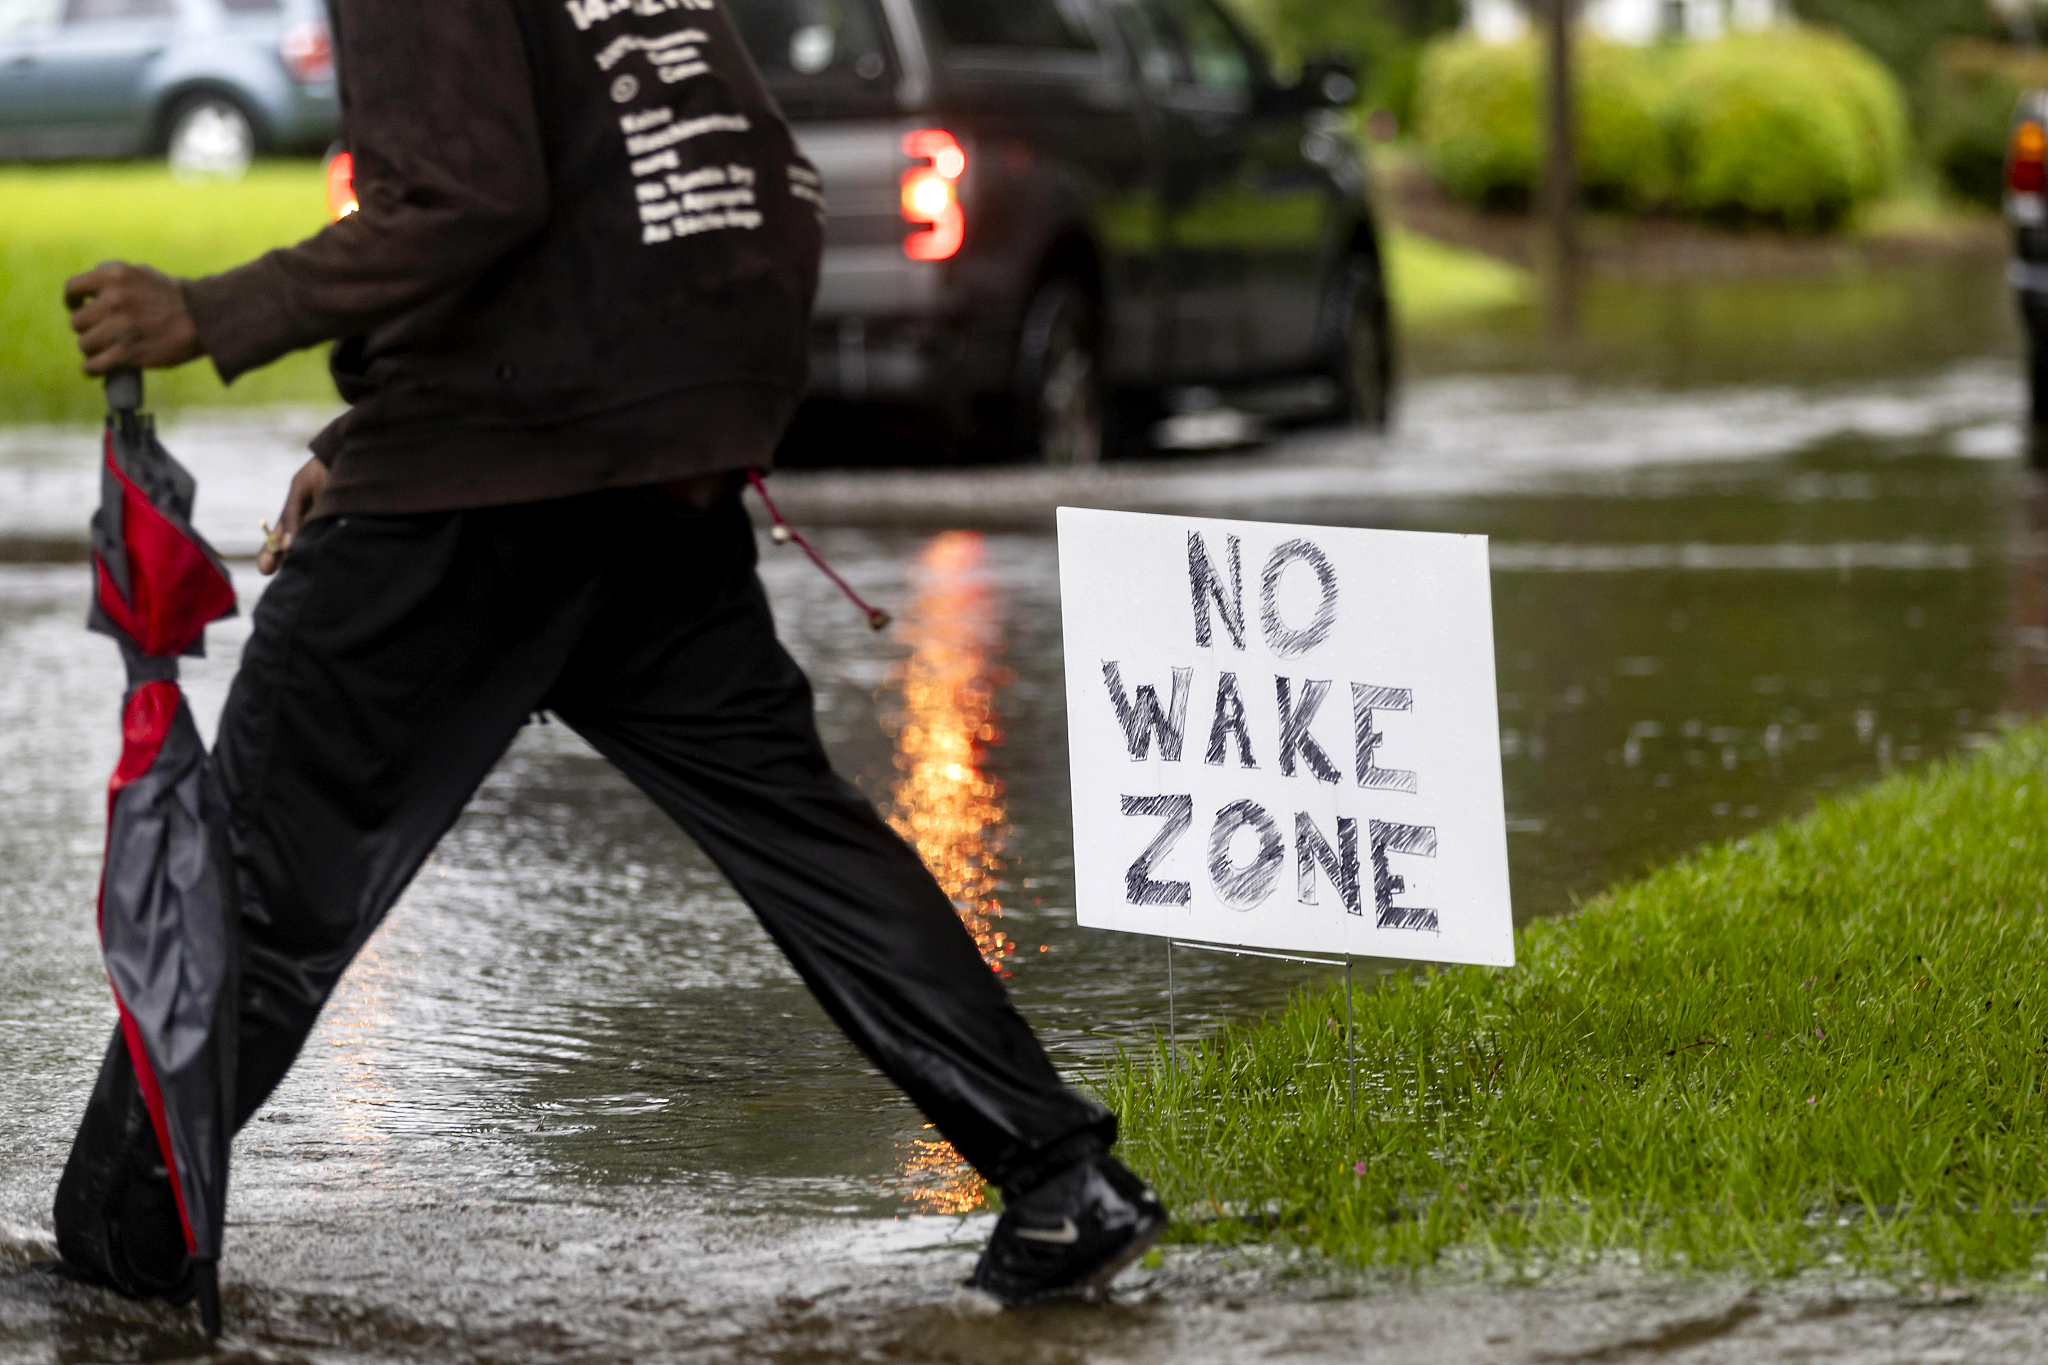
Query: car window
[[813, 40], [106, 11], [821, 58], [1155, 57], [18, 17], [1047, 25], [1215, 56]]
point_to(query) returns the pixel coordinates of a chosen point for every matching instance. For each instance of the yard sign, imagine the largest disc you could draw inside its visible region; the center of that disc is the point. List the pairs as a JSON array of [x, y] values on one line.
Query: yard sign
[[1284, 736]]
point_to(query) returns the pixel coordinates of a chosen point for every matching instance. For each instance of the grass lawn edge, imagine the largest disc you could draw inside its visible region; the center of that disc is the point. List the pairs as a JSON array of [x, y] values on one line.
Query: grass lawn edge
[[1816, 1047]]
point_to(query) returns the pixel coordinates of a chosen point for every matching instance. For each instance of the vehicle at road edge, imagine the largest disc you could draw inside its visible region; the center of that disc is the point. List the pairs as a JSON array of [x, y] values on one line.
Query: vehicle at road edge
[[1052, 222], [2026, 211], [209, 83]]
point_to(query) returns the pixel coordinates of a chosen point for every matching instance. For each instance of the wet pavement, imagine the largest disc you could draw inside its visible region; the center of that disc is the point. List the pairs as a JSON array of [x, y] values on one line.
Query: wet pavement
[[1751, 546]]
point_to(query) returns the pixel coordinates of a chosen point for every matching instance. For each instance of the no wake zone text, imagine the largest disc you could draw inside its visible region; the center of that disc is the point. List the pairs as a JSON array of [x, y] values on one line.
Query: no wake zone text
[[1147, 725]]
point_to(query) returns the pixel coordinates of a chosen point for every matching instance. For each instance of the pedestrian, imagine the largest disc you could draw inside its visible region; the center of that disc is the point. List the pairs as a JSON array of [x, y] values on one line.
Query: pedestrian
[[571, 311]]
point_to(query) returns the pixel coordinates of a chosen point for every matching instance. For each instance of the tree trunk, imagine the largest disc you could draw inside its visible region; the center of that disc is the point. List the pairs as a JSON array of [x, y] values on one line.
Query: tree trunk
[[1558, 247]]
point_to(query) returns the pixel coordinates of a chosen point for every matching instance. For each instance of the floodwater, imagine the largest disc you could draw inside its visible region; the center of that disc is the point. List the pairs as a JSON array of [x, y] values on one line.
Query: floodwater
[[1752, 545]]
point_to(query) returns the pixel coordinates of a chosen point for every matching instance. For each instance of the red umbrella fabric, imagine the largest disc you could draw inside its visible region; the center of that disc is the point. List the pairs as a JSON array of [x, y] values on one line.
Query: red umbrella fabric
[[165, 922]]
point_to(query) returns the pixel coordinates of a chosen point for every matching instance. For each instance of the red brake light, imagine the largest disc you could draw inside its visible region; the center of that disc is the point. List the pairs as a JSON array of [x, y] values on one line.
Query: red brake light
[[2025, 171], [341, 186], [931, 194], [308, 52]]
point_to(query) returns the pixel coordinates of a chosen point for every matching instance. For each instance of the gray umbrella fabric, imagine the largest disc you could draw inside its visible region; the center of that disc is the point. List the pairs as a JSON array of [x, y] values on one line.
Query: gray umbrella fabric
[[165, 911]]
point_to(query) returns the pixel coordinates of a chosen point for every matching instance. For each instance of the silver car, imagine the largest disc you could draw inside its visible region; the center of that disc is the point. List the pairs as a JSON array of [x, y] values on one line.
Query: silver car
[[209, 82]]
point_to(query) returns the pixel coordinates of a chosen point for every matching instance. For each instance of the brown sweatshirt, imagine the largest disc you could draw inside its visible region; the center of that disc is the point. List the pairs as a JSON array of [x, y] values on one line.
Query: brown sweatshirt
[[585, 255]]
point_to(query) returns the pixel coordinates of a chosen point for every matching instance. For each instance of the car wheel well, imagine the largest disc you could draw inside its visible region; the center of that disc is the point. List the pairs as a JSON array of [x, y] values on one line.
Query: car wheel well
[[1364, 394], [178, 97], [1071, 257], [1052, 410], [1361, 246], [1364, 242]]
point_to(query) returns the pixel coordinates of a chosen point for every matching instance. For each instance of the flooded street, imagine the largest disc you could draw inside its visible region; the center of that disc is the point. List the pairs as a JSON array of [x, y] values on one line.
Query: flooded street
[[1752, 545]]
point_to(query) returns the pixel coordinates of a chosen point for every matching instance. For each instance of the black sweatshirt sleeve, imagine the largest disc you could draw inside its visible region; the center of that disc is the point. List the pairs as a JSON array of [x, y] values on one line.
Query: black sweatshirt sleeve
[[438, 103]]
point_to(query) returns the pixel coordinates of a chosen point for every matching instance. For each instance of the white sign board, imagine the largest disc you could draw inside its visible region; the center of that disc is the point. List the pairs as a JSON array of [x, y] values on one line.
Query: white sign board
[[1285, 736]]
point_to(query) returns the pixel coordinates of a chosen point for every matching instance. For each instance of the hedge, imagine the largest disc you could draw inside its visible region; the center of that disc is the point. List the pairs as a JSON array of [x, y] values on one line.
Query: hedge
[[1795, 126], [1476, 113]]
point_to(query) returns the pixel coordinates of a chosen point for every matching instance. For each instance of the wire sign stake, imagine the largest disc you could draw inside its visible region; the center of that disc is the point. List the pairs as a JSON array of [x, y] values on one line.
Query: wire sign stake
[[1350, 1037]]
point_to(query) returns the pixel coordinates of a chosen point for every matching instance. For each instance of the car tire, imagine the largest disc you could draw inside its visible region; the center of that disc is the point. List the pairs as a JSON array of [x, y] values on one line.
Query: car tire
[[1057, 408], [2037, 380], [2033, 309], [2037, 400], [209, 137], [1359, 346]]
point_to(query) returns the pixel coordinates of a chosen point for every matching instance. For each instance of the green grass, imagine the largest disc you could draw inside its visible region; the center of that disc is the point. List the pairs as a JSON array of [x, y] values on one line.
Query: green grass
[[1822, 1046], [58, 221], [1921, 209], [1430, 283]]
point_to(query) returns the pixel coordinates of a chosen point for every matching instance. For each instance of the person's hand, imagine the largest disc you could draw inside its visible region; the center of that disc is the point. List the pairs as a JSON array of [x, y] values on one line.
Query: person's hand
[[130, 316], [298, 500]]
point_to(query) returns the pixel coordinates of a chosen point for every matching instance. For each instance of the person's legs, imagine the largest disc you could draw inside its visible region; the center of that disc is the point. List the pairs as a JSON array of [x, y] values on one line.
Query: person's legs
[[390, 664], [681, 682]]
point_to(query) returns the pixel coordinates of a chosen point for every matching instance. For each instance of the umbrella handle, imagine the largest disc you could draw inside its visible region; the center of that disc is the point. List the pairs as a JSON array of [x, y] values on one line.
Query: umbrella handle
[[124, 390]]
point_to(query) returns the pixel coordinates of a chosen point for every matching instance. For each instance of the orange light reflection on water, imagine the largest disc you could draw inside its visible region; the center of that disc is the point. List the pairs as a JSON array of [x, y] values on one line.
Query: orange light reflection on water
[[932, 1178], [950, 810], [944, 802]]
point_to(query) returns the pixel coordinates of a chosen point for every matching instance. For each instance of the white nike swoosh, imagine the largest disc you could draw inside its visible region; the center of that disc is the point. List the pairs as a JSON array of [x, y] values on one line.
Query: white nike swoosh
[[1063, 1235]]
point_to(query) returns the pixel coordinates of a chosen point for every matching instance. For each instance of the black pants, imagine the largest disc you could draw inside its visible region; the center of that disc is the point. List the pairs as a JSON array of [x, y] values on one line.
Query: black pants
[[392, 662]]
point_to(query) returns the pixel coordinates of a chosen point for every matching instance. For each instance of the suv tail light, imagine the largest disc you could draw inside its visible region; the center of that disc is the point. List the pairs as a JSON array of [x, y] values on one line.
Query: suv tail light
[[931, 194], [308, 52], [2026, 163], [341, 186]]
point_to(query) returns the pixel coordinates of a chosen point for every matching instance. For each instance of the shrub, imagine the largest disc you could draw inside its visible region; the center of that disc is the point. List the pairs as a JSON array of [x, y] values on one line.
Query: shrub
[[1476, 113], [1795, 126], [1970, 96], [1624, 147], [1876, 99]]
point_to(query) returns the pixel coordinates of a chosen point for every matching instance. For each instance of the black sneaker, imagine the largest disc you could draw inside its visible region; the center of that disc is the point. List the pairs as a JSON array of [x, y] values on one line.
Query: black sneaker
[[1071, 1234]]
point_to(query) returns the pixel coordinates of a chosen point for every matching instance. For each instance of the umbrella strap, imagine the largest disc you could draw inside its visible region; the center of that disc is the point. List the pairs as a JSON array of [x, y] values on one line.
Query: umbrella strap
[[783, 533]]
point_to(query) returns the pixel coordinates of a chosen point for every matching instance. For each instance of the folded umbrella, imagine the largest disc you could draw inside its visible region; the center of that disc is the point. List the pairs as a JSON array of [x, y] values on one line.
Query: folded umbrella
[[165, 921]]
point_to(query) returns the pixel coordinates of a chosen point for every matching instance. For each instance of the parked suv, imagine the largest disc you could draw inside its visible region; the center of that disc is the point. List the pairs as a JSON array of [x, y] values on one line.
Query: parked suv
[[211, 82], [1043, 212]]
